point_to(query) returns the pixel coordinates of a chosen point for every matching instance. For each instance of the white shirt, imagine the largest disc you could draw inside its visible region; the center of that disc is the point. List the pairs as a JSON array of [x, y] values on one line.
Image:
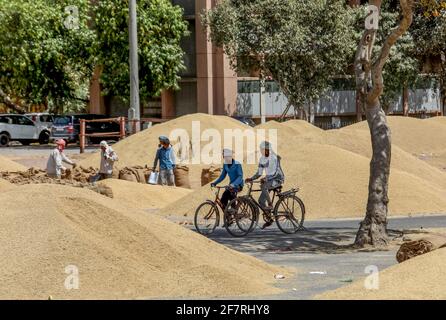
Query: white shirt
[[54, 165], [271, 166], [108, 158]]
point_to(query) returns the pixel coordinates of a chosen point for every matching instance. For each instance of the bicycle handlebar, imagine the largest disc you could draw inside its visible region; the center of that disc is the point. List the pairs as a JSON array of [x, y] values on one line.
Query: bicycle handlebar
[[218, 187]]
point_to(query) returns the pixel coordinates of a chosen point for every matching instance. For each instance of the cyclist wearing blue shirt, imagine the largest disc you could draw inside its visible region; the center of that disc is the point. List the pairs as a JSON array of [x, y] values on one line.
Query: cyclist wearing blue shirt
[[234, 170]]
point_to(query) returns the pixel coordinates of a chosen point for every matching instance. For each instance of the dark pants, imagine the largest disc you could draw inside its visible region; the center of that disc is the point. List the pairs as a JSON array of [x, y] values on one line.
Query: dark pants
[[227, 197]]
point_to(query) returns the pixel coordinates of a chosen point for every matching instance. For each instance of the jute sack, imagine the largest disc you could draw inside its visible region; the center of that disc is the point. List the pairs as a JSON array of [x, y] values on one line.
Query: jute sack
[[209, 174], [128, 175], [421, 246], [182, 176]]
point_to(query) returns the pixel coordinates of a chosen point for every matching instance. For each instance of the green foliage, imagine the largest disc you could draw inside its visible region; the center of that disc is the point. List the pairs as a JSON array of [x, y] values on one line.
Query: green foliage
[[44, 62], [41, 61], [160, 29], [429, 35], [301, 44], [403, 68]]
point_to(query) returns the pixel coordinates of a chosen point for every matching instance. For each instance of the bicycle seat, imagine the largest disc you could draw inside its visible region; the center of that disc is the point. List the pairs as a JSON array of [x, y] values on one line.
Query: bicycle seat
[[277, 189]]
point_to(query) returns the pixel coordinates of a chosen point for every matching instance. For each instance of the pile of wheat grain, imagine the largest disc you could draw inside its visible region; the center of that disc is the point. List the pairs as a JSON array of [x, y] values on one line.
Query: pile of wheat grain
[[9, 165], [420, 278], [332, 170], [51, 236]]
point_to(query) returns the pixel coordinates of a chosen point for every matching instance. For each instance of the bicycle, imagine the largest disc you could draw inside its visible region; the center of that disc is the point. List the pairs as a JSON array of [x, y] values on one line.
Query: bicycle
[[207, 217], [288, 212]]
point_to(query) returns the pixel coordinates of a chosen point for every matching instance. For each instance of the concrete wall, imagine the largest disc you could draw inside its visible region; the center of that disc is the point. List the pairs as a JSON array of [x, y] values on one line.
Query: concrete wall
[[335, 103]]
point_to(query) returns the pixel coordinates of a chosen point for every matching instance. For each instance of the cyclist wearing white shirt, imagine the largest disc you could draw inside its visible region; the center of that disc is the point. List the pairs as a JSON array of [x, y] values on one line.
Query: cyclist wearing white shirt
[[269, 164]]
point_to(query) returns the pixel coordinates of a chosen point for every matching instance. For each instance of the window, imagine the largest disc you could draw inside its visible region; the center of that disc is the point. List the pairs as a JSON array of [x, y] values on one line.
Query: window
[[189, 57], [4, 120], [187, 5], [46, 118], [62, 121], [24, 121]]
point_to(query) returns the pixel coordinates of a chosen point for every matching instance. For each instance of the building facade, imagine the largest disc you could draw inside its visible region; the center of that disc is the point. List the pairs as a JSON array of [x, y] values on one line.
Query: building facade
[[208, 85]]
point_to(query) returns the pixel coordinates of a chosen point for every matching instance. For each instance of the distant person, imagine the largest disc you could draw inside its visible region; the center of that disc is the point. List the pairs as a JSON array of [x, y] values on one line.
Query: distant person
[[54, 166], [165, 155], [234, 170], [108, 159], [269, 164]]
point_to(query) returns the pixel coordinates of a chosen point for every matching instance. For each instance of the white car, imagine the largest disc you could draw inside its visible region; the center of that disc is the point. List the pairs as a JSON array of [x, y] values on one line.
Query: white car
[[44, 122], [15, 127]]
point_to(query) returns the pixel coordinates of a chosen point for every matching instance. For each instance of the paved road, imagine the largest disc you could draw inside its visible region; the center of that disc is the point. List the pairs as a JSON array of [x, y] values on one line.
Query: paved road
[[319, 254], [36, 155]]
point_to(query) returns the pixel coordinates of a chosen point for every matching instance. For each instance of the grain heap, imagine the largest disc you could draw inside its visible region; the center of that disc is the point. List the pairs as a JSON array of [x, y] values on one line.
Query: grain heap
[[144, 196], [46, 230], [8, 165], [140, 148], [5, 185], [422, 277], [337, 162], [76, 177]]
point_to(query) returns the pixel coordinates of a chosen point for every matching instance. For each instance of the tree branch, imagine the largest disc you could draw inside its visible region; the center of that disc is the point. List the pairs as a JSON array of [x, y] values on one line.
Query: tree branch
[[8, 102], [403, 26]]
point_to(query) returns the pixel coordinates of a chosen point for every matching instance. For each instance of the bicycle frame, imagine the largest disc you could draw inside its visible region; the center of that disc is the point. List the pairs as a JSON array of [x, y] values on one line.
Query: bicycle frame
[[254, 201], [217, 197]]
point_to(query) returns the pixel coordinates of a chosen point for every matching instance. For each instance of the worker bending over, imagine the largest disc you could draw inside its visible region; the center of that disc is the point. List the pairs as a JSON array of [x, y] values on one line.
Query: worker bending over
[[54, 166], [108, 159]]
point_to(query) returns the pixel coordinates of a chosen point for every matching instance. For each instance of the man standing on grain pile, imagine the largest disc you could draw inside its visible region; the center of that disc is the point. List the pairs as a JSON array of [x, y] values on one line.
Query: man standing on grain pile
[[166, 157], [108, 159], [54, 166]]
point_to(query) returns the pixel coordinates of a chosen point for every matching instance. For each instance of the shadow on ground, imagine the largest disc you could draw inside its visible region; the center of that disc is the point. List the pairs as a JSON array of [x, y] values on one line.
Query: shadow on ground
[[328, 240]]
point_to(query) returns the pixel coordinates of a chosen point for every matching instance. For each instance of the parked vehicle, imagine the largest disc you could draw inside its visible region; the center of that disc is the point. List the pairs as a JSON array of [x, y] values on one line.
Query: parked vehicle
[[245, 120], [67, 127], [15, 127], [44, 121]]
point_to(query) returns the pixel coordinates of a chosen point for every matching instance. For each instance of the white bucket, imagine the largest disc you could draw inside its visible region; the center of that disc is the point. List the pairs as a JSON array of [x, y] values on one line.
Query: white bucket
[[153, 178]]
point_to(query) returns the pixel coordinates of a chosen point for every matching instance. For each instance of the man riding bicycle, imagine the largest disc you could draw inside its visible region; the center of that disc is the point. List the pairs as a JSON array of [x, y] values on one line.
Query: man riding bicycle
[[274, 177], [234, 170]]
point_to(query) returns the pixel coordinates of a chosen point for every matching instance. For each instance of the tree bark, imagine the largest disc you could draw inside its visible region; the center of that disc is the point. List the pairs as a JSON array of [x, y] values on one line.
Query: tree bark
[[406, 101], [373, 229], [370, 86], [11, 105]]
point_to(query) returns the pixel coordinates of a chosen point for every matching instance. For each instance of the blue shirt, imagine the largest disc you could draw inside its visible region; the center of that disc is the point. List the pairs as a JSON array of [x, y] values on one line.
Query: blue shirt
[[166, 157], [235, 173]]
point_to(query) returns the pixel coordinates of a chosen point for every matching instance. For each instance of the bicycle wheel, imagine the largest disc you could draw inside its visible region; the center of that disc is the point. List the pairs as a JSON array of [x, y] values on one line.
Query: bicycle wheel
[[289, 214], [240, 217], [206, 218]]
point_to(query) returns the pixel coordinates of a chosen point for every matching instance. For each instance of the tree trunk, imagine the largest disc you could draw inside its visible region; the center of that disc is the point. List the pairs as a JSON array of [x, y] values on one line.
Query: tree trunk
[[373, 229], [370, 86], [406, 101], [8, 102]]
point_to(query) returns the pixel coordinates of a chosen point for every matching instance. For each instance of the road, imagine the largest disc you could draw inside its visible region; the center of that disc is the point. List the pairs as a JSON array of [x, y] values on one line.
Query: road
[[319, 253], [36, 155]]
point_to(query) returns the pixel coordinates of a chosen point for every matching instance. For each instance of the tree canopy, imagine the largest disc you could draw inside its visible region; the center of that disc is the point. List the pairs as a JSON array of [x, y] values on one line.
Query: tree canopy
[[42, 61], [160, 29], [301, 44], [49, 48]]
